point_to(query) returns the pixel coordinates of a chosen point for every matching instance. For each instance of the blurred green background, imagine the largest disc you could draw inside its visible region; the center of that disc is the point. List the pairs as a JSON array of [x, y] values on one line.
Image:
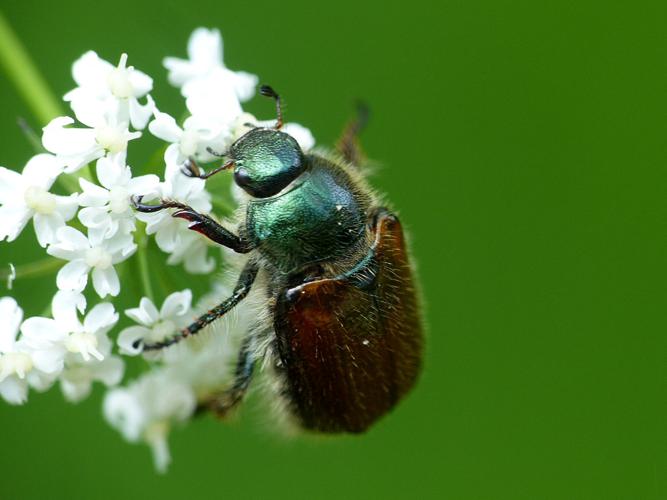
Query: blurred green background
[[523, 144]]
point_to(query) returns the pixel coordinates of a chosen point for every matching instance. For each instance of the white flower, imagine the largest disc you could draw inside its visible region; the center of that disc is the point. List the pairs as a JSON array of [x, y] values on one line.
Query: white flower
[[108, 207], [77, 147], [205, 59], [213, 99], [191, 250], [17, 367], [147, 409], [192, 140], [77, 378], [172, 235], [24, 196], [84, 255], [64, 339], [155, 326], [103, 88]]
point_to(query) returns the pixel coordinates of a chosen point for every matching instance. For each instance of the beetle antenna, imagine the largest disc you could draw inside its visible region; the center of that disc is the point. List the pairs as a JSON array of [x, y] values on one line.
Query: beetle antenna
[[215, 153], [268, 91]]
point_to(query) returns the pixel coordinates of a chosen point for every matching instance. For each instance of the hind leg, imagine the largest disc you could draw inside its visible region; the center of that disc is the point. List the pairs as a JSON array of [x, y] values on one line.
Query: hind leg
[[222, 403], [348, 143]]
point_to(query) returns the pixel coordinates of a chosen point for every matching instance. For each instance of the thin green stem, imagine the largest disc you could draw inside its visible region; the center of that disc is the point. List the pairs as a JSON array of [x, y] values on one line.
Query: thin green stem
[[142, 261], [33, 269], [24, 74], [31, 135]]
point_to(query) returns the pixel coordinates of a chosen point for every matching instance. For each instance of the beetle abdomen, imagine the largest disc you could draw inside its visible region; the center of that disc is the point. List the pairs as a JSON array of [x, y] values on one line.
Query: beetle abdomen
[[351, 348]]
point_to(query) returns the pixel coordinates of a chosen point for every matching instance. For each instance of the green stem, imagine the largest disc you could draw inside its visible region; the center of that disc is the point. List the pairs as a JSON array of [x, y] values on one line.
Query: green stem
[[34, 140], [25, 76], [142, 260], [33, 269], [32, 87]]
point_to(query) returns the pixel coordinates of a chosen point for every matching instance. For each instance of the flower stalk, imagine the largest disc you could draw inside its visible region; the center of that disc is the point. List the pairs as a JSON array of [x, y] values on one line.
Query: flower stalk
[[25, 76]]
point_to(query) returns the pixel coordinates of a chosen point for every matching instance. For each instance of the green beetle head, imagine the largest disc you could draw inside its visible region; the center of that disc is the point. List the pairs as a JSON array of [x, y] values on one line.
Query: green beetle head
[[265, 161]]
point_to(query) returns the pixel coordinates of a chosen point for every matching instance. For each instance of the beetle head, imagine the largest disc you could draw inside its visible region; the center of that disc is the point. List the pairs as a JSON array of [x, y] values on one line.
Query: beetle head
[[265, 161]]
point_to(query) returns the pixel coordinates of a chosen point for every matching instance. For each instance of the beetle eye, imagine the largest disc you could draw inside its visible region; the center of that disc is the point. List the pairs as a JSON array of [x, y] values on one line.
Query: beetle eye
[[242, 178]]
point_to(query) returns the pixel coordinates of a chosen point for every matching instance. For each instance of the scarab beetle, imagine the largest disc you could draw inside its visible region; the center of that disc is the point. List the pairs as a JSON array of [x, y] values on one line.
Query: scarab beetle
[[344, 332]]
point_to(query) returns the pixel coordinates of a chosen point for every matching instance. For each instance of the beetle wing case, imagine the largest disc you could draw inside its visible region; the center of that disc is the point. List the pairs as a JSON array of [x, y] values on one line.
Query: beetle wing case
[[352, 348]]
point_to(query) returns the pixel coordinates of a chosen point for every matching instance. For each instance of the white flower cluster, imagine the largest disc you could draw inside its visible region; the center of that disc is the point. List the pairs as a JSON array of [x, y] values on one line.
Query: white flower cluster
[[93, 231]]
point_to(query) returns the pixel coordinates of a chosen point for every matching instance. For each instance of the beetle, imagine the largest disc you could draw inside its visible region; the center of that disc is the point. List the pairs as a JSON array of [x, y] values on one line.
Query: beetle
[[345, 333]]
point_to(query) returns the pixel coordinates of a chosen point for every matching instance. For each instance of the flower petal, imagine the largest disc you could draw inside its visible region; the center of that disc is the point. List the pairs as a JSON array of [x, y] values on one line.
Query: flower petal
[[41, 170], [91, 71], [244, 84], [129, 337], [11, 186], [205, 46], [12, 221], [64, 307], [67, 141], [124, 412], [67, 205], [11, 315], [50, 361], [141, 83], [164, 127], [46, 226], [95, 217], [140, 114], [302, 135], [144, 185], [146, 314], [40, 333], [177, 304], [110, 371], [100, 318], [75, 389], [111, 173], [14, 390], [73, 276], [106, 282], [71, 240]]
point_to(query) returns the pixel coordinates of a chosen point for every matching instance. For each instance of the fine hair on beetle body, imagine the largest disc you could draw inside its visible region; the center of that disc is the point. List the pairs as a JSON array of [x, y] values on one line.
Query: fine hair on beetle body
[[337, 330]]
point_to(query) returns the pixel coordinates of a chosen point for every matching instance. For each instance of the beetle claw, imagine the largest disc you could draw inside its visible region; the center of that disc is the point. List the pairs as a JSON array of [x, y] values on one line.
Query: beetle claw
[[142, 207], [191, 169], [184, 214]]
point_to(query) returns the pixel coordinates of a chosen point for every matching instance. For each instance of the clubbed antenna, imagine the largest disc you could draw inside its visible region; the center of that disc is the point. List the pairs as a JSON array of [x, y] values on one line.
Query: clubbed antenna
[[268, 91]]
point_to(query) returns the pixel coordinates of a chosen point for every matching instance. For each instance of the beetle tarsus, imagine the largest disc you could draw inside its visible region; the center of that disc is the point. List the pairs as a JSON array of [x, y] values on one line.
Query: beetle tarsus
[[348, 144], [191, 169], [225, 401]]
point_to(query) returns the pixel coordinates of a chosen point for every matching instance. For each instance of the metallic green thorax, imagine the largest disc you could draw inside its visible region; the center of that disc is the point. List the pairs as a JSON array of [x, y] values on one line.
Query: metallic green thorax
[[320, 218]]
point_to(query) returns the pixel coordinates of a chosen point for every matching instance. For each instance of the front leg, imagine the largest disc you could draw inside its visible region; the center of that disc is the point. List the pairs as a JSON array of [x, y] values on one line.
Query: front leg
[[201, 223]]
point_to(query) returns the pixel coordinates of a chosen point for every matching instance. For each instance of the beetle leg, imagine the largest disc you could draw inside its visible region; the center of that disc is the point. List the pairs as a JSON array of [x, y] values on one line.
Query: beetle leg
[[223, 402], [241, 289], [348, 143], [199, 222], [192, 170]]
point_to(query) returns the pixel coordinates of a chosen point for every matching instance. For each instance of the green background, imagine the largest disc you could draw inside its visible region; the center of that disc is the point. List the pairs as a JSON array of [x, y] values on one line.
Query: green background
[[523, 144]]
